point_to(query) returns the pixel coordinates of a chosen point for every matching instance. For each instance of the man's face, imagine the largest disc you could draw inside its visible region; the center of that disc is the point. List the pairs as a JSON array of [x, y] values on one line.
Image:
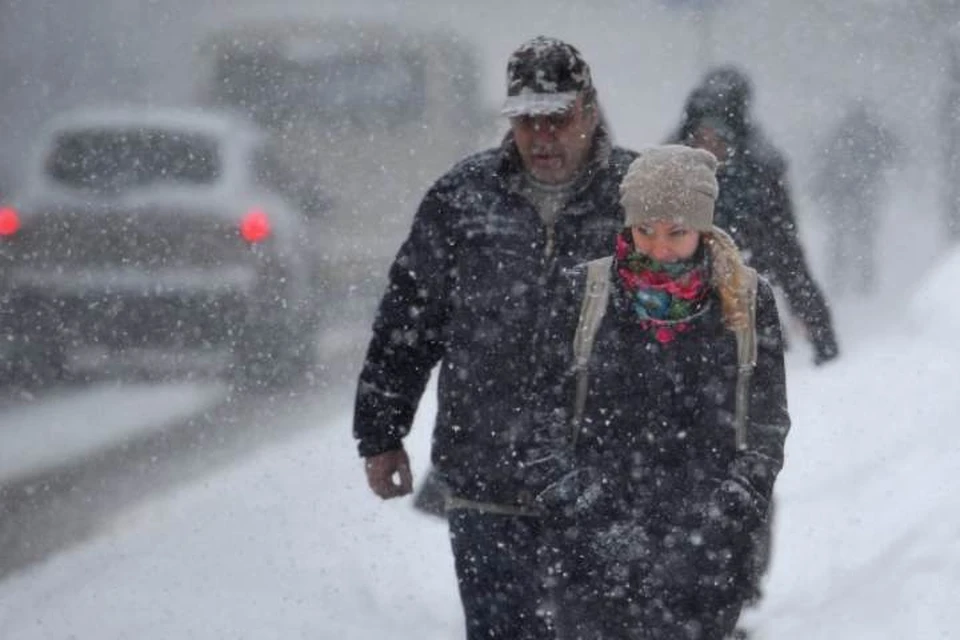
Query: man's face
[[555, 147]]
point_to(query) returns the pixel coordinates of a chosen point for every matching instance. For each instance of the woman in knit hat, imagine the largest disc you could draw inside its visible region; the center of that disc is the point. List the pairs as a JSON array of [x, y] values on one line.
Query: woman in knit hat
[[669, 466]]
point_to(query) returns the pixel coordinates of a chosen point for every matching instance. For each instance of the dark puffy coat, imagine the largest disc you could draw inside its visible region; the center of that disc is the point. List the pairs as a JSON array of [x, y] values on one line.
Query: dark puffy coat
[[469, 289], [666, 507], [755, 205]]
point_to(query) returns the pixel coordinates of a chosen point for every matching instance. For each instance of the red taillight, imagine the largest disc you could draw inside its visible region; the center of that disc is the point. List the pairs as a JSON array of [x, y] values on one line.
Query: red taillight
[[255, 226], [9, 221]]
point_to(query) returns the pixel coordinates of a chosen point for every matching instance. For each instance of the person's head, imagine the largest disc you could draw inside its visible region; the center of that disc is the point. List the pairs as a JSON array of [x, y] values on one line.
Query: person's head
[[712, 134], [552, 106], [730, 85], [723, 95], [668, 196]]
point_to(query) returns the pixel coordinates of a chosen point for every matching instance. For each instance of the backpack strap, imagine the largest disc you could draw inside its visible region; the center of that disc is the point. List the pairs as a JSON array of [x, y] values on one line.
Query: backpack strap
[[592, 310], [746, 357]]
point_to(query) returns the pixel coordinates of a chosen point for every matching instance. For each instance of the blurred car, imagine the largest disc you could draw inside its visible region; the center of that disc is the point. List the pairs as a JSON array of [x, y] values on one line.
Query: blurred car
[[142, 227], [370, 112]]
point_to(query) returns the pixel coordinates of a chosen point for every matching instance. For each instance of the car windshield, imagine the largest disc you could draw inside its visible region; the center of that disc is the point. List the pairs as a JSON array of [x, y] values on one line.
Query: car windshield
[[275, 87], [121, 160]]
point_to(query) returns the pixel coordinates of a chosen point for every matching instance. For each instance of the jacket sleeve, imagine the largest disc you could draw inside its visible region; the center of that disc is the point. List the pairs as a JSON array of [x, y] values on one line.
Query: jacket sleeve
[[784, 260], [408, 332]]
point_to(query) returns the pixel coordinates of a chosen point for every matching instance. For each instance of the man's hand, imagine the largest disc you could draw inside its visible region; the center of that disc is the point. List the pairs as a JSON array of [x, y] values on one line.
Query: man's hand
[[388, 474]]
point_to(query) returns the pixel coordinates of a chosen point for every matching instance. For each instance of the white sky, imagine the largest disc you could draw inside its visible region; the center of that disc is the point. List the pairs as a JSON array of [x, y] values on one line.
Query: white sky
[[289, 544]]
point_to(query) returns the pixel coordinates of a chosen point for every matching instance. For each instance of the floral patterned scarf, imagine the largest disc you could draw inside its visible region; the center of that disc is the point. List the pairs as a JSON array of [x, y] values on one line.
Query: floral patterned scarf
[[665, 296]]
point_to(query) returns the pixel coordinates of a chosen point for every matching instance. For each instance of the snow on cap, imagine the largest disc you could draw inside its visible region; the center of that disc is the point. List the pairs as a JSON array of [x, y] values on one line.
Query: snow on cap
[[544, 75]]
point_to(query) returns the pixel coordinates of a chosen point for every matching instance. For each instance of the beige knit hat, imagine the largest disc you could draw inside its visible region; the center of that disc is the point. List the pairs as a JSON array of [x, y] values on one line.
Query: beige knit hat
[[671, 182]]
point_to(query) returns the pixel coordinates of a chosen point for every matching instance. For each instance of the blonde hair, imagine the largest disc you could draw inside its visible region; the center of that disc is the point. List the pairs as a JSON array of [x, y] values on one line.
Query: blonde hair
[[729, 276]]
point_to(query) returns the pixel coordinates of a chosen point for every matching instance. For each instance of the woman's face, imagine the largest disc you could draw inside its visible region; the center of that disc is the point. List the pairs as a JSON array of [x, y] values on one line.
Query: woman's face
[[666, 241]]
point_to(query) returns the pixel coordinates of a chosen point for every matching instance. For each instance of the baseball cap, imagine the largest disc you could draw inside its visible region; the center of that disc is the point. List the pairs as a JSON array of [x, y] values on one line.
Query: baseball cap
[[544, 75]]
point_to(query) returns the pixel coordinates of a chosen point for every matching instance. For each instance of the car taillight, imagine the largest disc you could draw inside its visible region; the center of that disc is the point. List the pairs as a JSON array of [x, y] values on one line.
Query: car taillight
[[9, 221], [255, 226]]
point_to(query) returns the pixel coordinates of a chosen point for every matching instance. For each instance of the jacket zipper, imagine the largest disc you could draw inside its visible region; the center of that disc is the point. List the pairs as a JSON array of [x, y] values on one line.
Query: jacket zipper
[[546, 269], [551, 240]]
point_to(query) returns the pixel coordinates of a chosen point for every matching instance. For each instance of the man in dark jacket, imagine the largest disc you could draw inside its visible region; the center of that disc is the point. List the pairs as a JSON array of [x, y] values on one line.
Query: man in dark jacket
[[755, 205], [468, 290]]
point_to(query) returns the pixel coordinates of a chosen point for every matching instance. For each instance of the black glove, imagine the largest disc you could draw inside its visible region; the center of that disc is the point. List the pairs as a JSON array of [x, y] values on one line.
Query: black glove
[[733, 509], [574, 493], [825, 346], [707, 547]]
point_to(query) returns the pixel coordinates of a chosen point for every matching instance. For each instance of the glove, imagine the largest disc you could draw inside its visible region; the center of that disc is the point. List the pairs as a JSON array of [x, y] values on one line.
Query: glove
[[825, 346], [575, 492], [825, 353], [703, 552], [388, 474], [733, 512]]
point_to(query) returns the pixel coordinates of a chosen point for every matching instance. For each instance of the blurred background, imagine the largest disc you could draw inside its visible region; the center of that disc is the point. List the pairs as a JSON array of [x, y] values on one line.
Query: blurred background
[[807, 62]]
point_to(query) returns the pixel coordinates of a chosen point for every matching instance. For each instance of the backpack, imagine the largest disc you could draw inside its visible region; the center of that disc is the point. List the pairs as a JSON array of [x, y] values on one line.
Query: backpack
[[594, 307]]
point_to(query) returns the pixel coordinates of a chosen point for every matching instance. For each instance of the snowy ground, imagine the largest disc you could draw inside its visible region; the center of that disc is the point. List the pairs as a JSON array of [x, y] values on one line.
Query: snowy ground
[[43, 434], [291, 545]]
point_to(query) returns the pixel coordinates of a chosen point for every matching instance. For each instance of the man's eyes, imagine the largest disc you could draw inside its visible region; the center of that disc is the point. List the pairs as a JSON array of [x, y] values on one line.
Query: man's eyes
[[552, 121], [560, 120]]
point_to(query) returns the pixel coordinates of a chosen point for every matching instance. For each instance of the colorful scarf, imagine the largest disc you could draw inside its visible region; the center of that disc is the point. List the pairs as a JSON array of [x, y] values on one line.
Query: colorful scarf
[[665, 296]]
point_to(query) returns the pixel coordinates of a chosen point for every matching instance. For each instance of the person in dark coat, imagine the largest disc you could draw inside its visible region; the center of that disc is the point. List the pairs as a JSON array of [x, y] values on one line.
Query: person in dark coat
[[755, 205], [850, 186], [654, 534], [468, 291]]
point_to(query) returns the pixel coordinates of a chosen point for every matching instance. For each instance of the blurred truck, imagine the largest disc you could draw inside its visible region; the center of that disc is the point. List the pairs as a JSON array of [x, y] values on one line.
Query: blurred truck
[[366, 116]]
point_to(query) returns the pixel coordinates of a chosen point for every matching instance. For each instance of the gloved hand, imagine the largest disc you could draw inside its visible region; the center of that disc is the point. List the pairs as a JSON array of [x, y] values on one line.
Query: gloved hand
[[825, 346], [702, 553], [733, 511], [824, 354], [574, 492], [388, 474]]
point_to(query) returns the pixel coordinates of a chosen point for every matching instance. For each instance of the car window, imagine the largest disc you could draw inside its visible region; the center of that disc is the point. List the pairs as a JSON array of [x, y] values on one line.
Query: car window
[[275, 87], [120, 160]]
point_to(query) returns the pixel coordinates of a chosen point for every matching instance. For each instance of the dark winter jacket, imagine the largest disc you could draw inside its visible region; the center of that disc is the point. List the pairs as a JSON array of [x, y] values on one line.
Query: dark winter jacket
[[756, 208], [469, 290], [664, 494]]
